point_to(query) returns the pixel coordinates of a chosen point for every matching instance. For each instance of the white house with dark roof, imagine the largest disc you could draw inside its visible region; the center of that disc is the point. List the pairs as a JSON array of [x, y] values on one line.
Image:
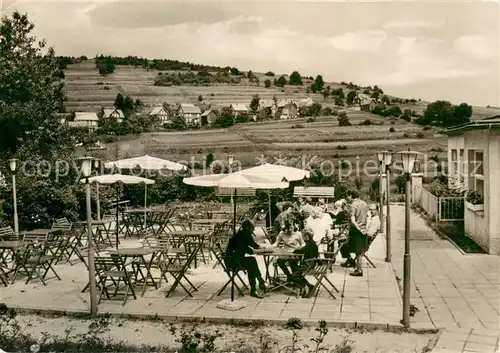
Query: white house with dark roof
[[239, 109], [474, 166], [113, 113], [88, 120], [190, 113], [161, 114], [367, 104]]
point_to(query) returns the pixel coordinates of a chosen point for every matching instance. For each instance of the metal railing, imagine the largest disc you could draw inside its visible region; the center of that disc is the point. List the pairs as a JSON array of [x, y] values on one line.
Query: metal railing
[[449, 208]]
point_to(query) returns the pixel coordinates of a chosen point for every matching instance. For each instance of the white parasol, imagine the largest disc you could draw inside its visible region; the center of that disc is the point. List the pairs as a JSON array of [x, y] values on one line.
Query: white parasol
[[117, 179], [146, 163]]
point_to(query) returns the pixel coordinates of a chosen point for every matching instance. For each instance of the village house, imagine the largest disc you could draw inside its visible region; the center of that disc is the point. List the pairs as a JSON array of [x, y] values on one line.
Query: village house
[[474, 165], [239, 109], [113, 113], [208, 117], [306, 102], [190, 113], [367, 105], [287, 110], [161, 114], [84, 120]]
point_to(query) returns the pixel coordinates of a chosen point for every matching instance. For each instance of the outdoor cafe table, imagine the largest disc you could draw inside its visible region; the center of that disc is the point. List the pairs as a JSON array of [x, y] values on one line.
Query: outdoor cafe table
[[138, 257], [134, 217], [6, 247], [269, 253], [102, 236], [197, 235]]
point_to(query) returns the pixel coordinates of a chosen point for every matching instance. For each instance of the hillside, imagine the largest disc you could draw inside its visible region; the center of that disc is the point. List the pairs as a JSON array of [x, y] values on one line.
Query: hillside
[[323, 138]]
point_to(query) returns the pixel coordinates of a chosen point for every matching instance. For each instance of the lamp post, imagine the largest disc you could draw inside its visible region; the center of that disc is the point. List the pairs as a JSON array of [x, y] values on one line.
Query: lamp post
[[230, 160], [98, 201], [13, 168], [387, 163], [86, 167], [381, 167], [408, 158]]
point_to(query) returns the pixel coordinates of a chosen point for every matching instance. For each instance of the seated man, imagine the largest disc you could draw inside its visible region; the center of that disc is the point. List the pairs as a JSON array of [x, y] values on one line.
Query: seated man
[[310, 251], [320, 223], [288, 240], [372, 228]]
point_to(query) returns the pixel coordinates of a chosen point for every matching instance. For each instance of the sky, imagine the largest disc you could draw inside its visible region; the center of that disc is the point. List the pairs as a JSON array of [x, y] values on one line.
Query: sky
[[429, 50]]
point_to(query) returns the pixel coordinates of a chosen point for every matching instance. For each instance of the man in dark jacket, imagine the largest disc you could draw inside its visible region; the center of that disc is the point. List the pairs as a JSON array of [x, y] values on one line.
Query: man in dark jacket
[[240, 245], [310, 251]]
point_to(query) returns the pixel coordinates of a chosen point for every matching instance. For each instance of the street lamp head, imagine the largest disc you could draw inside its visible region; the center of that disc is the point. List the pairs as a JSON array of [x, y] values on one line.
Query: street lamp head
[[409, 158], [388, 157], [380, 156], [13, 164], [86, 166], [230, 159]]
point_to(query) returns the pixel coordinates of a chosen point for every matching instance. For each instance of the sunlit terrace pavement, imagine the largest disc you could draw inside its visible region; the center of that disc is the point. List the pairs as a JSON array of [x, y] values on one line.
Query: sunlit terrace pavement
[[373, 298]]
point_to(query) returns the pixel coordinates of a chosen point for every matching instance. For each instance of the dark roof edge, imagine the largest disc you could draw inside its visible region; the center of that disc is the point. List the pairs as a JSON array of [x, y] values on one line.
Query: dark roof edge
[[476, 125]]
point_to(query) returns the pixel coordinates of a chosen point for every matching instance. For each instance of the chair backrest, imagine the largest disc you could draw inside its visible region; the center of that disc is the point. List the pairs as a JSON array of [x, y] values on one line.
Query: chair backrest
[[61, 224], [30, 239], [326, 192], [6, 233], [107, 263]]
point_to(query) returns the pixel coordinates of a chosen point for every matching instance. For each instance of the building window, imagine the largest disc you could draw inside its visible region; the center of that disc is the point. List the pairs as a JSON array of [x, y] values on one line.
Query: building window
[[476, 171], [462, 166], [454, 163]]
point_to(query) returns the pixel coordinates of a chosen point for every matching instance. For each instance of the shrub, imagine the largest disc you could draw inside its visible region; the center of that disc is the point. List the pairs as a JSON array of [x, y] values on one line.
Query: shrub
[[366, 122], [392, 129], [400, 184], [310, 120], [426, 128], [474, 198], [406, 135], [269, 73], [327, 111], [420, 135], [297, 126], [342, 147]]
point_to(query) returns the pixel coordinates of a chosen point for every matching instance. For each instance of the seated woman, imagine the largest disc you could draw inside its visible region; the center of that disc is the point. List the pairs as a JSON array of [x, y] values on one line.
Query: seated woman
[[310, 251], [240, 245], [285, 215], [288, 240]]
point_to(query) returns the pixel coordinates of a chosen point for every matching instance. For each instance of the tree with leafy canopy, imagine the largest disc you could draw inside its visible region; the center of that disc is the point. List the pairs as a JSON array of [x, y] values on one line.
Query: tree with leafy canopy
[[351, 97], [254, 104], [267, 83], [443, 113], [281, 81], [295, 79], [31, 94], [319, 83]]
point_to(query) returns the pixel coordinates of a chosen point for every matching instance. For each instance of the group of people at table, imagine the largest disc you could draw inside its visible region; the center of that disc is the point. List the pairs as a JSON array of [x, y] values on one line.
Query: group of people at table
[[309, 230]]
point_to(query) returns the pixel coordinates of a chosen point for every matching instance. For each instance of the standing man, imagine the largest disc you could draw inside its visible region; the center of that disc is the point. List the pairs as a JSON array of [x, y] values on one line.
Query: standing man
[[357, 233]]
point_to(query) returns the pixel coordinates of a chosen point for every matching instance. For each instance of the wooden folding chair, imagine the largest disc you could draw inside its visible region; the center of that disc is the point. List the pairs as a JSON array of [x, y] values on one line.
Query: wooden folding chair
[[161, 247], [6, 233], [232, 272], [177, 269], [112, 269], [370, 241], [318, 268], [35, 261]]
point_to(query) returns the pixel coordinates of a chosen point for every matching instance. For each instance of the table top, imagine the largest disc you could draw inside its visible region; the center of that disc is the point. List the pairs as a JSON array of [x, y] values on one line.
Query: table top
[[138, 210], [189, 232], [209, 220], [41, 231], [95, 222], [10, 244], [132, 251], [274, 252]]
